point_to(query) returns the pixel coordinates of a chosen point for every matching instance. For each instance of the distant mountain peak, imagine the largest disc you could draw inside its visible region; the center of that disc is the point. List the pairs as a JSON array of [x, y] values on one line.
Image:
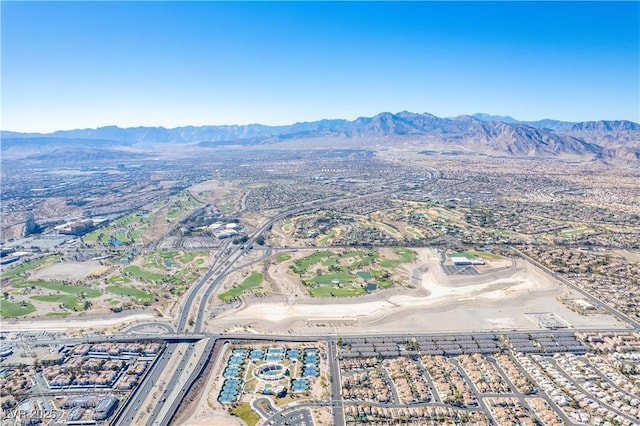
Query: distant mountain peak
[[480, 133], [488, 117]]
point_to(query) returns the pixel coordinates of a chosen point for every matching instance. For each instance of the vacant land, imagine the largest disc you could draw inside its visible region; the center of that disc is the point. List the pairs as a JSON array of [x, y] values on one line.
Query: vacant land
[[19, 272], [254, 280], [495, 300]]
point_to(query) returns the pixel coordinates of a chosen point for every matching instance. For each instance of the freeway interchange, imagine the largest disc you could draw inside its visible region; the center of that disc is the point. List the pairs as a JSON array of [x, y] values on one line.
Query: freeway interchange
[[192, 317], [189, 347]]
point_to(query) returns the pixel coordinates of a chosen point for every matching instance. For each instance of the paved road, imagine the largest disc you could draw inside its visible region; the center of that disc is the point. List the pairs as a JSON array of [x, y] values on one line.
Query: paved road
[[194, 290], [167, 392], [581, 389], [163, 413], [139, 394], [264, 407], [337, 405], [150, 328], [296, 417], [225, 262], [522, 396]]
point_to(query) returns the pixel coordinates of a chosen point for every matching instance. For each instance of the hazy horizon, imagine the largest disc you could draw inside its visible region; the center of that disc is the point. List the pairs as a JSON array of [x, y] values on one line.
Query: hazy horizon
[[292, 123]]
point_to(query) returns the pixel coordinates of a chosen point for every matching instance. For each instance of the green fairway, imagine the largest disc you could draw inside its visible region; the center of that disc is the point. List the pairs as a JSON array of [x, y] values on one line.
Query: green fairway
[[93, 236], [189, 256], [573, 232], [28, 266], [390, 230], [336, 291], [139, 295], [66, 300], [137, 272], [252, 281], [415, 232], [301, 265], [136, 233], [167, 255], [464, 254], [283, 258], [127, 229], [340, 275], [365, 258], [406, 256], [327, 237], [64, 288], [165, 259], [10, 309], [181, 206], [119, 280], [129, 219], [364, 261], [328, 278], [384, 284]]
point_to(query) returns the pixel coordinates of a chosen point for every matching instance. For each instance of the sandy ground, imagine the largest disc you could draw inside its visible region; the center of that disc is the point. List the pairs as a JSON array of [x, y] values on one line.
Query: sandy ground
[[158, 227], [74, 271], [208, 417], [438, 294], [209, 411], [489, 302], [216, 190], [433, 281], [630, 255], [72, 323]]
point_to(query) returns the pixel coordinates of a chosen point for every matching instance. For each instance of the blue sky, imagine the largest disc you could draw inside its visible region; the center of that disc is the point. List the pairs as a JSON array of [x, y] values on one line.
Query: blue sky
[[89, 64]]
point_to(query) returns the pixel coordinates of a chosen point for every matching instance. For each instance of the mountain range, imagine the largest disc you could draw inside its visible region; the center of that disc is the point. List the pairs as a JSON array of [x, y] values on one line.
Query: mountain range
[[617, 141]]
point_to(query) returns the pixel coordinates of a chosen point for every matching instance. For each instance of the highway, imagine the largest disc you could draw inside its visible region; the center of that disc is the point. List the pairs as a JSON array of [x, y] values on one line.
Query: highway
[[163, 413], [222, 264], [193, 314], [220, 267], [193, 291], [134, 404], [169, 392]]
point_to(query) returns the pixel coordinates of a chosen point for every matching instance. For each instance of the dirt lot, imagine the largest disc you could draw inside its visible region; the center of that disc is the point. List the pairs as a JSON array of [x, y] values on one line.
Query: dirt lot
[[442, 304], [218, 192], [72, 271]]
